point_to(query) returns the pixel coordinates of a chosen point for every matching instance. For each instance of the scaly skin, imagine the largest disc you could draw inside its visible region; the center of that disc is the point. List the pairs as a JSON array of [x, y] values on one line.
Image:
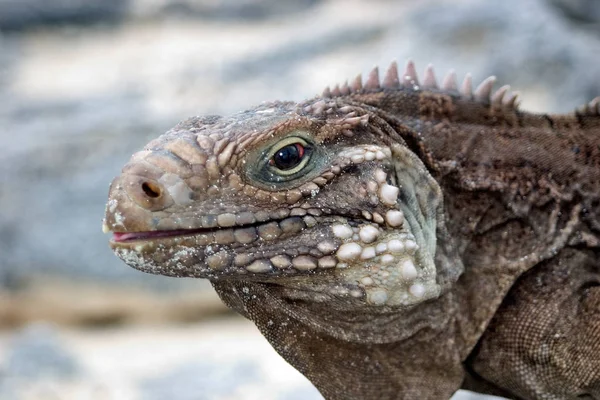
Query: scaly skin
[[391, 240]]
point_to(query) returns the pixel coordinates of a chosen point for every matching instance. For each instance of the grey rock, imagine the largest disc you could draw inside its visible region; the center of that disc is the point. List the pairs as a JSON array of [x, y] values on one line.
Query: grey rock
[[19, 15], [307, 392], [9, 50], [525, 44], [587, 11], [22, 14], [200, 381], [8, 391], [36, 353], [224, 10], [285, 58]]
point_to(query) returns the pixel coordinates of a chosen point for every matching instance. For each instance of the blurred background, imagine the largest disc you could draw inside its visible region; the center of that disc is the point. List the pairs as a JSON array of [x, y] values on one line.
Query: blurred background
[[84, 84]]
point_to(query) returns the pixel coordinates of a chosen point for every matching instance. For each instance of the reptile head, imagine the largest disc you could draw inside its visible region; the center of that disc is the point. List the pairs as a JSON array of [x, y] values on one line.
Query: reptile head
[[311, 196]]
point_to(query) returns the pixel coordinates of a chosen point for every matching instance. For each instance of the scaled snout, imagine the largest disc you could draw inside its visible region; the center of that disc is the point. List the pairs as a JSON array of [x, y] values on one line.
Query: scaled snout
[[132, 201], [146, 192]]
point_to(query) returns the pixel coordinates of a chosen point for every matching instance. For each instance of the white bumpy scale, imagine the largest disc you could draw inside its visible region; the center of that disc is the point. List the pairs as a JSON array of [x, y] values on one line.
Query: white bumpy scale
[[391, 263]]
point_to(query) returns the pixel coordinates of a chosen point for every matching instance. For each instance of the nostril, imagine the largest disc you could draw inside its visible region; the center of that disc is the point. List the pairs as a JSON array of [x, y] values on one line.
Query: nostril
[[152, 190], [143, 191]]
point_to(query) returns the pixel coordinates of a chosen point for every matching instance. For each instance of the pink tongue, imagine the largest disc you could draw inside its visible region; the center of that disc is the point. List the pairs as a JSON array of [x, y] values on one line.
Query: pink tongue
[[119, 237], [123, 236]]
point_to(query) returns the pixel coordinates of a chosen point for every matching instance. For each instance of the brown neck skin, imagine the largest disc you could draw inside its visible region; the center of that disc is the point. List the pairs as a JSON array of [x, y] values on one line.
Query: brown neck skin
[[516, 187]]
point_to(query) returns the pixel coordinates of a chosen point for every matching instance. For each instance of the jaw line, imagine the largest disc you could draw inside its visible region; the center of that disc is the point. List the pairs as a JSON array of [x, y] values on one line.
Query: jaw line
[[142, 236], [126, 238]]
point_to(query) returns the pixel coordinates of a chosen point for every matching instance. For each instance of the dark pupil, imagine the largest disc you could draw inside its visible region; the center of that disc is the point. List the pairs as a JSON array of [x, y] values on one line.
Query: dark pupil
[[288, 157]]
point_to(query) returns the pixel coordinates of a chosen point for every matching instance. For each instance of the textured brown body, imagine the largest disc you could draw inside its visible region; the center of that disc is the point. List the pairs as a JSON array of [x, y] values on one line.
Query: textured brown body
[[505, 297]]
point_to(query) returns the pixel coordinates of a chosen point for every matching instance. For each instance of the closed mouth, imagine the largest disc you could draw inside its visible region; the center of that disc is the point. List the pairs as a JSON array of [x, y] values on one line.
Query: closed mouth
[[268, 230], [119, 237]]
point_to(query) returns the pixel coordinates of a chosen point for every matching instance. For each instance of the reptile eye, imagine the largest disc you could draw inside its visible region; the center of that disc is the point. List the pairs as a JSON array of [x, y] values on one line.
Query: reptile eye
[[289, 156]]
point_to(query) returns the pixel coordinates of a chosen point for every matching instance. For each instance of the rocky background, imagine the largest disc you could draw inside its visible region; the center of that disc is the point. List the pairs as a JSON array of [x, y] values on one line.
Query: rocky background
[[83, 84]]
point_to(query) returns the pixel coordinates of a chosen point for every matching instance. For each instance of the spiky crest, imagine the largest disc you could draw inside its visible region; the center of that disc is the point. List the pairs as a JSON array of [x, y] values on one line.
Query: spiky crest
[[503, 97], [591, 108]]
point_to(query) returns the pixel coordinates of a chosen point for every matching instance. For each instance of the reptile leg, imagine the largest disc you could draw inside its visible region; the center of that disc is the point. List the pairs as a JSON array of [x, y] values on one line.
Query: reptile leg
[[544, 341]]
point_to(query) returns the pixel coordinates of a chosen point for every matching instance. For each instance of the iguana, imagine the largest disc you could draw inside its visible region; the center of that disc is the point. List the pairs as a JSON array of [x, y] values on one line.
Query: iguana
[[391, 239]]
